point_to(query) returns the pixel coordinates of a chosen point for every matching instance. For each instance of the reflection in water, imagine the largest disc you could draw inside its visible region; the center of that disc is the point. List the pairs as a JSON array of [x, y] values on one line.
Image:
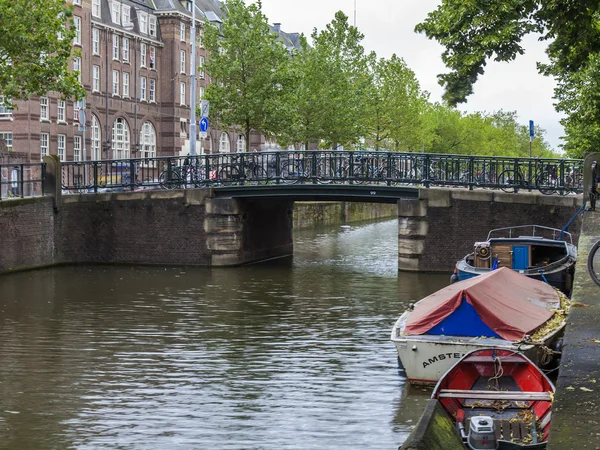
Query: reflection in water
[[289, 354]]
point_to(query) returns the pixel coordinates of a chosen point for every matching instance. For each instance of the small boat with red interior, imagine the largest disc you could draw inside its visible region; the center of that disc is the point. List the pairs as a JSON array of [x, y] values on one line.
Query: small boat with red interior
[[498, 399]]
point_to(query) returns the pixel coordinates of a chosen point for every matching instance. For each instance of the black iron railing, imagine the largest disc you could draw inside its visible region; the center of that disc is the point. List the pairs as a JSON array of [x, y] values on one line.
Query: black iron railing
[[549, 176], [22, 180]]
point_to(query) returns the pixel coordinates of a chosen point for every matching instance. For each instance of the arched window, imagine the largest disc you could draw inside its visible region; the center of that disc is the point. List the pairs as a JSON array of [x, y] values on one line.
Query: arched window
[[147, 141], [96, 139], [120, 139], [224, 143], [241, 144]]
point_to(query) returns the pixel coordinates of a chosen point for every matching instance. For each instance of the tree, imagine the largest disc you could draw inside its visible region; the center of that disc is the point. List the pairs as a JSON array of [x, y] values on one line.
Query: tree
[[245, 63], [35, 49]]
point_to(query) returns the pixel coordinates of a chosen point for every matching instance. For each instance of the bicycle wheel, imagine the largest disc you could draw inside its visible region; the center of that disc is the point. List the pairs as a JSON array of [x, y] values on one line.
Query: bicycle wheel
[[290, 173], [256, 175], [172, 180], [229, 175], [547, 184], [509, 181], [593, 263]]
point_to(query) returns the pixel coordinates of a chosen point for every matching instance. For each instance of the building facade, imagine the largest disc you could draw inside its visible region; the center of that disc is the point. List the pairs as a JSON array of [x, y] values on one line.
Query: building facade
[[134, 63]]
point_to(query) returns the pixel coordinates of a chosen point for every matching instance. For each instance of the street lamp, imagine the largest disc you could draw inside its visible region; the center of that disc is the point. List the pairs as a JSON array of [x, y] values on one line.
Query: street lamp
[[192, 79]]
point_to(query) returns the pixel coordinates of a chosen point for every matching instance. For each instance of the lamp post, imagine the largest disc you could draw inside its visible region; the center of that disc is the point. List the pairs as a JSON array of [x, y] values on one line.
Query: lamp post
[[193, 81]]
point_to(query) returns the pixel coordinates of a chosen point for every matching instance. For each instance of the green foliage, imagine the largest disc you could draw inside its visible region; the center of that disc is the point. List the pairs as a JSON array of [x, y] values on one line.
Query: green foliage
[[475, 31], [35, 49], [247, 65]]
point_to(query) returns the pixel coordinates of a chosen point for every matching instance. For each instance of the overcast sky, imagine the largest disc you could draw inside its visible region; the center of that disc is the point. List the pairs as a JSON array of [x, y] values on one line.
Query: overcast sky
[[388, 26]]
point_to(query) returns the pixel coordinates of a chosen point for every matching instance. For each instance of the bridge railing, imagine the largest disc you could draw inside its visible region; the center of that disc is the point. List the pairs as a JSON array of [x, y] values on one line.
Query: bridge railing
[[22, 179], [341, 167]]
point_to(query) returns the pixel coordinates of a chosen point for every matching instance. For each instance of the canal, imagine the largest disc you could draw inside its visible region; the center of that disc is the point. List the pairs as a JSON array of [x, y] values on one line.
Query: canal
[[291, 354]]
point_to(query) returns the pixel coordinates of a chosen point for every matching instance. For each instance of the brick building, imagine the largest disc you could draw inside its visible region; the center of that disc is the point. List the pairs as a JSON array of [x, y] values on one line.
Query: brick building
[[134, 64]]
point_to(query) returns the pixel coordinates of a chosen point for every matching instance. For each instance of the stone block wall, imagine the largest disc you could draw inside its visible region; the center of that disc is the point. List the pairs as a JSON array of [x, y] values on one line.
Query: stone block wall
[[441, 226]]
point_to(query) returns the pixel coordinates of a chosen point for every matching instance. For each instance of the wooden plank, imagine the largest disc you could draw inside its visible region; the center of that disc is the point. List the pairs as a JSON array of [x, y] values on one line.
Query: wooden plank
[[488, 359], [495, 395]]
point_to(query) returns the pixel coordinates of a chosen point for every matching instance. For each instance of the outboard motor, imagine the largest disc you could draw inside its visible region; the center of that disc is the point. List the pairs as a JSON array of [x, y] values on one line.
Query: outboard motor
[[482, 434]]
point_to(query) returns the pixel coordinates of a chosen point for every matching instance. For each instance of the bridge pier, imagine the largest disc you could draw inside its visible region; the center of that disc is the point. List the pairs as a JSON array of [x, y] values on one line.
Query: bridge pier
[[441, 226]]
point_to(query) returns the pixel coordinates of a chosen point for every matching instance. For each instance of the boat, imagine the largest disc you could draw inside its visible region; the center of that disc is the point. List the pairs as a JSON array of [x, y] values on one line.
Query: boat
[[542, 253], [498, 399], [500, 309]]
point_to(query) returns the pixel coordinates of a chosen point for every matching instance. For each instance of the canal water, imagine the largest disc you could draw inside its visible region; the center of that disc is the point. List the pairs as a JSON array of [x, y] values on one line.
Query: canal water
[[292, 354]]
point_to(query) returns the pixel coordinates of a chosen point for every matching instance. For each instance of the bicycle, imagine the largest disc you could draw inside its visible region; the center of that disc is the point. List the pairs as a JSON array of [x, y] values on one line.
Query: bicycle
[[593, 263], [248, 172], [179, 177], [546, 180]]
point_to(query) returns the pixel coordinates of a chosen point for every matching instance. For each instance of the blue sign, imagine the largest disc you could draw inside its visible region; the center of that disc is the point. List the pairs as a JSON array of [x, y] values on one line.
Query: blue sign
[[204, 124], [531, 128]]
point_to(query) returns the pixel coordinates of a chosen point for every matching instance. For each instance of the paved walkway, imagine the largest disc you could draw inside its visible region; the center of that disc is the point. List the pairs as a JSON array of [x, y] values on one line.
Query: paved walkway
[[576, 409]]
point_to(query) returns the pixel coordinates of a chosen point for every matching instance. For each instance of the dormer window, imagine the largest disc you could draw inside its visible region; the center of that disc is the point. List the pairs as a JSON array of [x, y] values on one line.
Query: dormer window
[[152, 26], [116, 12], [126, 15], [143, 23]]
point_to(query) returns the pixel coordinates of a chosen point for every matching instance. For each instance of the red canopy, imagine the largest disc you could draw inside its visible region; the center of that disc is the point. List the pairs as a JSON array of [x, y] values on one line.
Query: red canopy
[[508, 302]]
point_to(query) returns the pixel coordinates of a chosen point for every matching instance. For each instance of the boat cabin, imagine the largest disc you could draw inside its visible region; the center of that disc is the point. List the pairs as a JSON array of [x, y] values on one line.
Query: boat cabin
[[521, 254]]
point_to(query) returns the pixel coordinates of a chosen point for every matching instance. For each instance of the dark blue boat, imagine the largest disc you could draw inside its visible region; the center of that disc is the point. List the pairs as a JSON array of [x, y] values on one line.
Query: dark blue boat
[[542, 253]]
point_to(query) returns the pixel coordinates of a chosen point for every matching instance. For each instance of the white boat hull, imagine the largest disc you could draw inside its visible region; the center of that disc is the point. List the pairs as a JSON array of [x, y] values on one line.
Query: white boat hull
[[426, 358]]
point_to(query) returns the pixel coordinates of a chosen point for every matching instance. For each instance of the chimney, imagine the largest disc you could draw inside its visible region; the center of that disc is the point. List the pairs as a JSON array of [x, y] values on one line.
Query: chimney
[[277, 27]]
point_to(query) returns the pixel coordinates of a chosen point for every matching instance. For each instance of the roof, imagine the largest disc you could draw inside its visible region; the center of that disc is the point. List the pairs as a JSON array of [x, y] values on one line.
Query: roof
[[509, 303]]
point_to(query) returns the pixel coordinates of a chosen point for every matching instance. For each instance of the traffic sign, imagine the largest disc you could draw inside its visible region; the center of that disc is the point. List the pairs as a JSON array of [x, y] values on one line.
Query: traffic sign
[[531, 129], [204, 124], [203, 134], [204, 107]]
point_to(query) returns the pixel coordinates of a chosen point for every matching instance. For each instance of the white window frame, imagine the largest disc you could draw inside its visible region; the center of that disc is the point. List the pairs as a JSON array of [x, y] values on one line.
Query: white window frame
[[182, 32], [61, 111], [200, 93], [152, 26], [77, 22], [125, 84], [95, 78], [77, 67], [224, 143], [143, 54], [96, 8], [115, 47], [116, 12], [143, 17], [44, 108], [182, 61], [152, 90], [125, 48], [61, 146], [76, 148], [143, 82], [152, 61], [241, 144], [4, 111], [95, 41], [77, 2], [76, 107], [182, 97], [44, 145], [147, 141], [115, 83], [120, 139], [96, 138], [201, 67], [125, 15]]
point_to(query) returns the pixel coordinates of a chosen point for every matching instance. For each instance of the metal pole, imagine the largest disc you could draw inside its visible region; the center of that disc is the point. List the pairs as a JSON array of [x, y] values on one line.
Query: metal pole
[[193, 82]]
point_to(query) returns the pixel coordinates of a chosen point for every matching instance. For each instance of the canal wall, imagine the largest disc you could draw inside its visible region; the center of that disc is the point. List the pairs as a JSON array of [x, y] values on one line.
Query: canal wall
[[319, 214], [441, 226]]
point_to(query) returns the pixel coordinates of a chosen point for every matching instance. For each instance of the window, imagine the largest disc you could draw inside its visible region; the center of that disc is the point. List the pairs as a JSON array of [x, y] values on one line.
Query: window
[[143, 55], [148, 141], [126, 15], [200, 93], [61, 111], [182, 31], [96, 8], [77, 67], [125, 84], [201, 67], [43, 108], [125, 47], [182, 61], [8, 138], [143, 23], [76, 148], [44, 138], [152, 26], [241, 144], [143, 88], [224, 143], [4, 110], [120, 139], [200, 37], [96, 135], [182, 93], [116, 12], [96, 78], [152, 90], [76, 107], [115, 47], [152, 58], [77, 2], [62, 144], [95, 41], [115, 82], [77, 21]]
